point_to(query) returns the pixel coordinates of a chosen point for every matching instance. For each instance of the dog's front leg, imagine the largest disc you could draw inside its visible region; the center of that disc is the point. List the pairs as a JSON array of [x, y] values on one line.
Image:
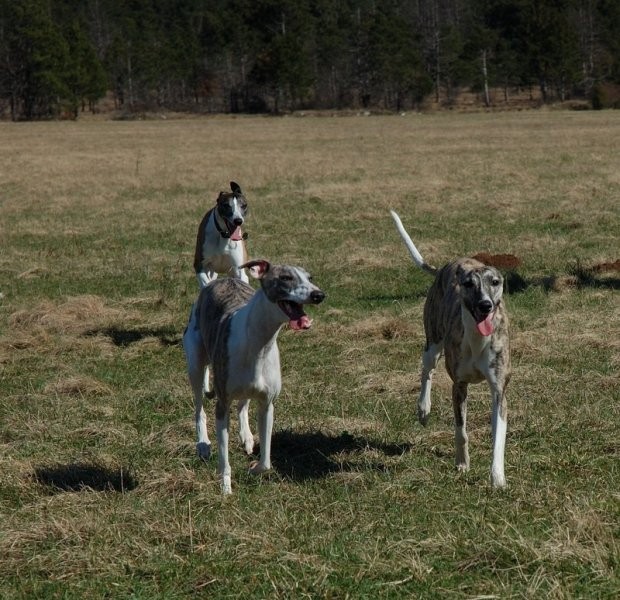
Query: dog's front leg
[[498, 430], [265, 427], [245, 434], [205, 277], [222, 419], [429, 363], [241, 274], [459, 404], [197, 370]]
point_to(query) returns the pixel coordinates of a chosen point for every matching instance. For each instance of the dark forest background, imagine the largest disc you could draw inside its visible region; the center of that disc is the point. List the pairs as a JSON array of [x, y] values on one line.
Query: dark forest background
[[58, 57]]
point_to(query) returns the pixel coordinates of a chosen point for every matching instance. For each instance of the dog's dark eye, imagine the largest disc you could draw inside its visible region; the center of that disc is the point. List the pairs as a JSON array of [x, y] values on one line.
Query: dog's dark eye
[[468, 283], [495, 282], [286, 278]]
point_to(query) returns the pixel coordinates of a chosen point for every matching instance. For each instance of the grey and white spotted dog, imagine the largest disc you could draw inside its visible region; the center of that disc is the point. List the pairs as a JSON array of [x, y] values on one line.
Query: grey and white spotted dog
[[234, 330], [465, 318], [220, 244]]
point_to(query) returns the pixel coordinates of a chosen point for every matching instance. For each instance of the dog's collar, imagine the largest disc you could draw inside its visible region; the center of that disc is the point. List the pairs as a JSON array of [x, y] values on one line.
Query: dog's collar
[[224, 232]]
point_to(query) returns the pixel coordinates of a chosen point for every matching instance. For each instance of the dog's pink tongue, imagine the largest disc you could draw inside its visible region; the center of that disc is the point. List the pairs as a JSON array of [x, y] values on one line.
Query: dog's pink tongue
[[302, 323], [236, 235], [485, 327]]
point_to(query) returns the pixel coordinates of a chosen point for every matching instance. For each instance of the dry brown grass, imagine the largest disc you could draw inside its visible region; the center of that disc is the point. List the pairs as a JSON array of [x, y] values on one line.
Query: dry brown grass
[[101, 493]]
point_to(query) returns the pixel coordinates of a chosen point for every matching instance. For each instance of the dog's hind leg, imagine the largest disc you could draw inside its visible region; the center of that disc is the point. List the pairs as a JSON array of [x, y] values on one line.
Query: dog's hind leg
[[429, 363], [265, 427], [245, 434], [198, 372], [222, 418], [498, 431], [459, 403], [203, 444]]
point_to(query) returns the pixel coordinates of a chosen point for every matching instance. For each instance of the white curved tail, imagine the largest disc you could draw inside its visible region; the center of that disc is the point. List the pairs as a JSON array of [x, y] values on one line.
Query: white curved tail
[[415, 253]]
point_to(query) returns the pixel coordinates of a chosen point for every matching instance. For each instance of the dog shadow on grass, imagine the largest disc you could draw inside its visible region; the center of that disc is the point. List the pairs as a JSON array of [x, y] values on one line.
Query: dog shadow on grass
[[77, 477], [599, 276], [314, 455], [126, 337]]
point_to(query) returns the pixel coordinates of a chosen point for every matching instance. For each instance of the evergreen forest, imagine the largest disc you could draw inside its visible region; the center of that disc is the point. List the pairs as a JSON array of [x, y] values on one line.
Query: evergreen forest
[[60, 57]]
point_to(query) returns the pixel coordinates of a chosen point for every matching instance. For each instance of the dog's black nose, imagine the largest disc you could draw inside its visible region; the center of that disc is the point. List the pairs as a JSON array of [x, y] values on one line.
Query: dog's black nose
[[238, 221], [485, 306], [317, 296]]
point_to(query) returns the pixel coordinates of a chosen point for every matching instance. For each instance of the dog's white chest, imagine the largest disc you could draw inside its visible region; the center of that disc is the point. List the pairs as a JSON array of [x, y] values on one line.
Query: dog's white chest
[[220, 254], [261, 380], [254, 375]]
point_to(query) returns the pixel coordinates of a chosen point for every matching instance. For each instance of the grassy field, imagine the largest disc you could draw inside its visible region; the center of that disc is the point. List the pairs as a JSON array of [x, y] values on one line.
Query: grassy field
[[101, 495]]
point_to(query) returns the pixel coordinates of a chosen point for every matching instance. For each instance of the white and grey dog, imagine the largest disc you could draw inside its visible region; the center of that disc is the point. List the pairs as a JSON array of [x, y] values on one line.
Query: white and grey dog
[[220, 246], [465, 318], [234, 330]]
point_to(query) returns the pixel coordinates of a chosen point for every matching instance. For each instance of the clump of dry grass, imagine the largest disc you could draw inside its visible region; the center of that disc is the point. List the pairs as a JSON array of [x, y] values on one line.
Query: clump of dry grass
[[77, 386], [74, 316]]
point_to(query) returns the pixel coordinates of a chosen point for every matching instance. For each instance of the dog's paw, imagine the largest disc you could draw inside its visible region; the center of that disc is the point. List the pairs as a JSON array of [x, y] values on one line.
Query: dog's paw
[[498, 481], [423, 416], [256, 468], [203, 450], [226, 485], [248, 443]]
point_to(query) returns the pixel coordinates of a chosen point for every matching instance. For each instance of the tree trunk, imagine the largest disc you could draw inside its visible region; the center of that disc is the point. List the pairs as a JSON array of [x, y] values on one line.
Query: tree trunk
[[485, 78]]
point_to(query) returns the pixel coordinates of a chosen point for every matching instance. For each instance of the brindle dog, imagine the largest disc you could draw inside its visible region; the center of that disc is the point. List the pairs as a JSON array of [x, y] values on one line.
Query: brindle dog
[[465, 319]]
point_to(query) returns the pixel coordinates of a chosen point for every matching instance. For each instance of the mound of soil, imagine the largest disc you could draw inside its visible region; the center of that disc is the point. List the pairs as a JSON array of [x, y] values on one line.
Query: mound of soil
[[499, 261]]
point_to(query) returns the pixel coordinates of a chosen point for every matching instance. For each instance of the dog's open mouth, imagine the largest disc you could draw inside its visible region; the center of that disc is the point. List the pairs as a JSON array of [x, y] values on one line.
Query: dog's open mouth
[[485, 326], [234, 231], [298, 319]]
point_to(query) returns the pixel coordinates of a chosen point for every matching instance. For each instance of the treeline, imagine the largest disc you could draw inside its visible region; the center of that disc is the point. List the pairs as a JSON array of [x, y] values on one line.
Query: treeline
[[62, 56]]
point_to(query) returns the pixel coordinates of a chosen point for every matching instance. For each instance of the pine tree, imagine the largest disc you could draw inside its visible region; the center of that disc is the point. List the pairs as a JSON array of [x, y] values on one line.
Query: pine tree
[[34, 58]]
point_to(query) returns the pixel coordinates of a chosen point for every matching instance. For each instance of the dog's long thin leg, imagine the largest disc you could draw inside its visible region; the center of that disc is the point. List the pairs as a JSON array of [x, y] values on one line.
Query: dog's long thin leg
[[265, 427], [222, 418], [459, 403], [206, 384], [429, 363], [241, 274], [197, 370], [245, 434], [498, 430]]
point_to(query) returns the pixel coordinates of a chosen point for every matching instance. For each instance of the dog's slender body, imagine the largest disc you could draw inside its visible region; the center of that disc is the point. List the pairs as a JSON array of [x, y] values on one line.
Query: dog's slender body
[[220, 246], [234, 330], [466, 320]]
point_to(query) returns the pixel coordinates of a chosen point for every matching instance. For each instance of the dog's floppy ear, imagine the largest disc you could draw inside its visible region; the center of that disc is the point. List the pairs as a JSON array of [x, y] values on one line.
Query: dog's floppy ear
[[235, 187], [257, 268]]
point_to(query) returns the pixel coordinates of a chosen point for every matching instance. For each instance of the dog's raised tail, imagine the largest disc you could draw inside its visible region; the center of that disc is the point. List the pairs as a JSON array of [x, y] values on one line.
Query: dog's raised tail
[[415, 253]]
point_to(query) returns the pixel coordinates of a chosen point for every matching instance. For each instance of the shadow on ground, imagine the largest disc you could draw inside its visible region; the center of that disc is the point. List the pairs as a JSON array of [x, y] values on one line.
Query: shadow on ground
[[126, 337], [313, 455], [76, 477]]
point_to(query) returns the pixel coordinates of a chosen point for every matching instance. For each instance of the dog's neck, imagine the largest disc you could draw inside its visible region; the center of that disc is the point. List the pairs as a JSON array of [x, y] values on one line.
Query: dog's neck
[[263, 321]]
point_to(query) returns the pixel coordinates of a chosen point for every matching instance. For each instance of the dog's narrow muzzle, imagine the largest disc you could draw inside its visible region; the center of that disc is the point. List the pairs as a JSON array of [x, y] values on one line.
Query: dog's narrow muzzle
[[317, 296]]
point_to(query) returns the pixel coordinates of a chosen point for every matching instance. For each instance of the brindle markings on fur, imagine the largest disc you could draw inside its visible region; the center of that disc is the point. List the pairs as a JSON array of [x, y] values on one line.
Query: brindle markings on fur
[[234, 330], [466, 292], [221, 300]]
